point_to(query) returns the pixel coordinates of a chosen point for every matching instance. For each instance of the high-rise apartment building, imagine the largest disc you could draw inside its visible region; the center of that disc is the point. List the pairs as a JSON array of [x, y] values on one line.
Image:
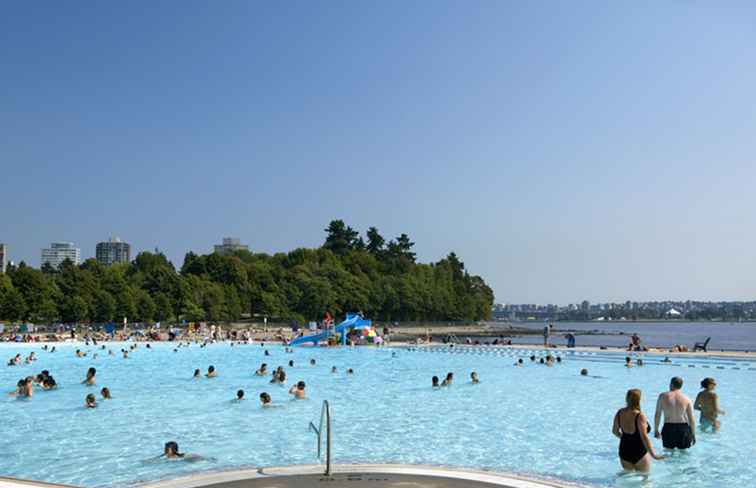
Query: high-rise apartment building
[[113, 251], [3, 258], [59, 252], [230, 245]]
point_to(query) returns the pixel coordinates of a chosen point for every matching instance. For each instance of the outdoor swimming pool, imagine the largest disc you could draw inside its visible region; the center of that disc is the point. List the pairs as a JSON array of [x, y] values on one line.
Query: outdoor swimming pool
[[548, 422]]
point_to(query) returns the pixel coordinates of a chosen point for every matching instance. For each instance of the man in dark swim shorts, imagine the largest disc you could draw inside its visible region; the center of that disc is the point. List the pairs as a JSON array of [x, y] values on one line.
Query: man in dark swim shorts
[[679, 431]]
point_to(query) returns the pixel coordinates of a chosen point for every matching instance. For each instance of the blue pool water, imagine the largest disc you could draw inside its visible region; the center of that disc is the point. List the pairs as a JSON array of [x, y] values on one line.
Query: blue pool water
[[535, 420]]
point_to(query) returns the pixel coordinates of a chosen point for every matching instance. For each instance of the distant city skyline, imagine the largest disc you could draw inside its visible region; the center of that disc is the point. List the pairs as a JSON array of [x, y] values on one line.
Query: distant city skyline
[[564, 150]]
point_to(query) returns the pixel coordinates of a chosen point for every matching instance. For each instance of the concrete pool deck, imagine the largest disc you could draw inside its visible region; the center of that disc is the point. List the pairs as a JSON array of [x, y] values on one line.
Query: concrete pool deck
[[343, 476], [358, 476]]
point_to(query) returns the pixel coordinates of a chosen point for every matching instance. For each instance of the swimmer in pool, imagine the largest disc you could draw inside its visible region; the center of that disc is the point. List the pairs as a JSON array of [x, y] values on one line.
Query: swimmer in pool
[[519, 362], [559, 359], [631, 427], [171, 451], [240, 395], [474, 378], [90, 401], [333, 369], [298, 390], [628, 362], [583, 372], [279, 376], [434, 381], [125, 354], [105, 392], [211, 373], [197, 374], [448, 380], [532, 357], [263, 370], [707, 402], [265, 399], [90, 379], [639, 362], [350, 371], [291, 363]]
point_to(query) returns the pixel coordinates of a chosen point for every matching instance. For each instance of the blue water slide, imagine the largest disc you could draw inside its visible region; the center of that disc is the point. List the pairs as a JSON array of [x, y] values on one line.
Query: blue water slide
[[351, 321]]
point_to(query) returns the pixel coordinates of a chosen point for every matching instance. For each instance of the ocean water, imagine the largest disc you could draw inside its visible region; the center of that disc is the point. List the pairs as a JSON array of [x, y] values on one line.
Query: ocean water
[[724, 335], [534, 420]]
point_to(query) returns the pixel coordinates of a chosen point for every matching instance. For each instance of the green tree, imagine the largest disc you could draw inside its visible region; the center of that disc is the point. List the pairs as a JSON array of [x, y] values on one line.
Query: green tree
[[13, 306], [163, 307], [340, 238], [146, 307], [105, 306]]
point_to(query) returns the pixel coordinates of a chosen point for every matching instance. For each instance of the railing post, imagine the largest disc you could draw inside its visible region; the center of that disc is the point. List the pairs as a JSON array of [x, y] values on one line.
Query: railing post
[[328, 437]]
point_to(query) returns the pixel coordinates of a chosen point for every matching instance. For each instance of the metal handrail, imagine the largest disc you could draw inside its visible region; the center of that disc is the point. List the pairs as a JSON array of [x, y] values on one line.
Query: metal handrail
[[325, 416]]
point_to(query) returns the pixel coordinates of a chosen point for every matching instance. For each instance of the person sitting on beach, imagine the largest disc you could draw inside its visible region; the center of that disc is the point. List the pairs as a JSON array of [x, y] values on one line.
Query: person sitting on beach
[[90, 401], [263, 370], [448, 380], [707, 402], [434, 382], [298, 390], [628, 362], [211, 373], [239, 395], [105, 392], [679, 429], [474, 378], [631, 427], [265, 399], [90, 379]]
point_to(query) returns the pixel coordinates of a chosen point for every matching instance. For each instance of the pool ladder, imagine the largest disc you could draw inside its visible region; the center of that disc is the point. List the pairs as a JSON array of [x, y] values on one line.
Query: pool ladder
[[325, 419]]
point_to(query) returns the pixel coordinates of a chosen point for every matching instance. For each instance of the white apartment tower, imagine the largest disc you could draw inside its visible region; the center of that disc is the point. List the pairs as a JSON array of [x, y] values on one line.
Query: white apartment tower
[[59, 252]]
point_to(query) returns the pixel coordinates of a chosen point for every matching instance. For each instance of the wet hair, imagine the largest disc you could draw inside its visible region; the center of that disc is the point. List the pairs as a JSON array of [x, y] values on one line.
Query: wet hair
[[291, 363], [532, 357], [91, 372], [211, 369], [449, 376], [197, 372], [627, 359], [90, 399], [173, 447], [301, 385], [240, 394], [350, 371], [435, 381], [633, 398], [583, 372], [312, 361], [519, 360], [676, 383], [559, 359], [333, 369], [264, 397], [105, 392], [706, 382], [541, 361]]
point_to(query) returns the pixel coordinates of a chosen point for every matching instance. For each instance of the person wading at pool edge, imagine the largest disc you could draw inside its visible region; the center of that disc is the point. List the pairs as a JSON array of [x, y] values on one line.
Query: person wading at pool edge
[[631, 426], [679, 429]]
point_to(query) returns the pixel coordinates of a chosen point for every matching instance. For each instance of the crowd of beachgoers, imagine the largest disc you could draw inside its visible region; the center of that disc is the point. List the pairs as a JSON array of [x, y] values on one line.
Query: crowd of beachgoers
[[630, 424]]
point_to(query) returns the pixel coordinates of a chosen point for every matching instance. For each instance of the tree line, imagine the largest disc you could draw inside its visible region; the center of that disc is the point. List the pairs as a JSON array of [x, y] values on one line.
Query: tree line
[[347, 273]]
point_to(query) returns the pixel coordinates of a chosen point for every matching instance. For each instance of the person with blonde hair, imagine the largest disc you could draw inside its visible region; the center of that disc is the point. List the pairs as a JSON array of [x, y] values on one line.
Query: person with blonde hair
[[631, 427]]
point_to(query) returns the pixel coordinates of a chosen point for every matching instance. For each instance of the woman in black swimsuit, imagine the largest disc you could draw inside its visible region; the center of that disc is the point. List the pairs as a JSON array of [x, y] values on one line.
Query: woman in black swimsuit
[[631, 426]]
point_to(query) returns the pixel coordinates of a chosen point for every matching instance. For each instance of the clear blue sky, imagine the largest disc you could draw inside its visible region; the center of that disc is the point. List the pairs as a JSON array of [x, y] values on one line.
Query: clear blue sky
[[565, 150]]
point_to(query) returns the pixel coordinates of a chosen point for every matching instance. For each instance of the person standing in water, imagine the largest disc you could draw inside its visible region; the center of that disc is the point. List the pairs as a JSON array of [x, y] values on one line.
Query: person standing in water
[[631, 427], [707, 402], [679, 429], [90, 379]]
